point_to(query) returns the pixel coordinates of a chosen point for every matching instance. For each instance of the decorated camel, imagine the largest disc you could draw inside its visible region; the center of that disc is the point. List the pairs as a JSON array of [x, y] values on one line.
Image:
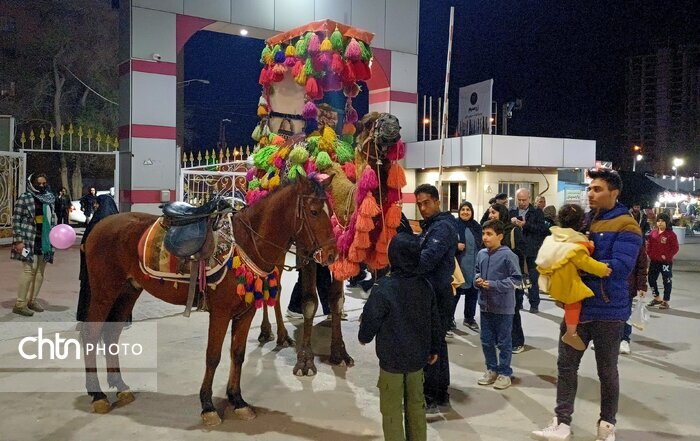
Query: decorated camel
[[299, 134]]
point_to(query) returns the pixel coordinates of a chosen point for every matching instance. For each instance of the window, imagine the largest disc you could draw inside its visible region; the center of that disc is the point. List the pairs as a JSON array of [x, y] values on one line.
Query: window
[[510, 188], [452, 194]]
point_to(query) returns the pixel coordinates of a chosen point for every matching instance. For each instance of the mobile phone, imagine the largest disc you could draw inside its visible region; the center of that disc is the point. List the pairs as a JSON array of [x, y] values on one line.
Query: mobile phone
[[519, 218], [25, 252]]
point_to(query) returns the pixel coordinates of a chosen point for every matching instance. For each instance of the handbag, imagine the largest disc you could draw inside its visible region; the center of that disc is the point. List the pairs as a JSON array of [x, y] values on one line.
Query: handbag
[[640, 314], [457, 278], [287, 132]]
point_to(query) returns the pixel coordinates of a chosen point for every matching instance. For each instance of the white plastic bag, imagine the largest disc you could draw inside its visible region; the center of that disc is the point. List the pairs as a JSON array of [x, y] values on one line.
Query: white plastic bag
[[640, 314]]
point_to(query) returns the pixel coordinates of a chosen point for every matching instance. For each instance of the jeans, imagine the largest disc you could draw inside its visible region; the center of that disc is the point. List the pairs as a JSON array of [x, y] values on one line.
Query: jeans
[[437, 377], [666, 271], [627, 332], [471, 295], [30, 281], [323, 286], [496, 332], [517, 334], [533, 294], [401, 400], [606, 337]]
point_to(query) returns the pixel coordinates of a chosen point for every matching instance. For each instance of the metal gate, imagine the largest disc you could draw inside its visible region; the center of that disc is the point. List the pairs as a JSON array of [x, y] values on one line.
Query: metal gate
[[12, 184], [198, 184]]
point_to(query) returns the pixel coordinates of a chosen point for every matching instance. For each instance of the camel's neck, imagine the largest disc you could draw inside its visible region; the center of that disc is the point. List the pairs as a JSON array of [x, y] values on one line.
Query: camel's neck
[[264, 230], [343, 192]]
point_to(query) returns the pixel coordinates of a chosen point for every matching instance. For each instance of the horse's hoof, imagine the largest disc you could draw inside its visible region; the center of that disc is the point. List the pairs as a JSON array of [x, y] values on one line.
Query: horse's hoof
[[286, 342], [125, 397], [211, 418], [101, 406], [245, 413], [264, 338]]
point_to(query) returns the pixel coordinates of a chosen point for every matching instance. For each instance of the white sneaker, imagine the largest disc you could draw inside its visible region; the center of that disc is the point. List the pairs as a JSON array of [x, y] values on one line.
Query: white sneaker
[[606, 431], [591, 346], [294, 315], [625, 347], [449, 334], [489, 377], [553, 432]]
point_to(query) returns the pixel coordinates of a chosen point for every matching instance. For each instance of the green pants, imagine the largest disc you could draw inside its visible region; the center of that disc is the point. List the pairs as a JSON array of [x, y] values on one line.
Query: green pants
[[401, 396], [30, 281]]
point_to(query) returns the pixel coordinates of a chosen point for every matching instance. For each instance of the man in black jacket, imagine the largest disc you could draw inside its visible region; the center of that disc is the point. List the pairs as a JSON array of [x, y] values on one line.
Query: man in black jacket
[[402, 314], [501, 198], [438, 246], [531, 220]]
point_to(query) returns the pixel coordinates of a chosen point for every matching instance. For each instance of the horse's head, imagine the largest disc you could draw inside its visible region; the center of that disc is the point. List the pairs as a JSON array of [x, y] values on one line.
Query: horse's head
[[313, 230]]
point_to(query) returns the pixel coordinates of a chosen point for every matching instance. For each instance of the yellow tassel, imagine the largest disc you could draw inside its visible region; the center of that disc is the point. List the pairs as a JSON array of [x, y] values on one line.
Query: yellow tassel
[[301, 78], [236, 262], [262, 111], [326, 45], [283, 152], [274, 182], [249, 297], [290, 51], [264, 183], [328, 139]]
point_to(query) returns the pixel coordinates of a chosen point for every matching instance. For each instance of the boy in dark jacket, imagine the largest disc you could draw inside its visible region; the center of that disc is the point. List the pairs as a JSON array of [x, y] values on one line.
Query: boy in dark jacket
[[497, 275], [399, 311]]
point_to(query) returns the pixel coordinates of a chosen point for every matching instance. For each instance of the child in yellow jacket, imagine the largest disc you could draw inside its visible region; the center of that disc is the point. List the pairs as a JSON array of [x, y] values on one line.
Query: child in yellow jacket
[[563, 254]]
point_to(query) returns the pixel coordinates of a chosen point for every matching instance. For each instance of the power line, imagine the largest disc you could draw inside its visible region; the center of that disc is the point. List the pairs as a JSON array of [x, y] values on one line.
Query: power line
[[90, 88]]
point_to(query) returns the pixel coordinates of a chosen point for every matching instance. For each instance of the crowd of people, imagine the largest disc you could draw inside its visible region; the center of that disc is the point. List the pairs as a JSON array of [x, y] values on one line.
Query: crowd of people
[[592, 264]]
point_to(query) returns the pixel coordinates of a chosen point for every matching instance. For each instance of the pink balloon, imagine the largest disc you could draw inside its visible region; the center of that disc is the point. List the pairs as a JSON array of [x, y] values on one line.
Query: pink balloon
[[62, 236]]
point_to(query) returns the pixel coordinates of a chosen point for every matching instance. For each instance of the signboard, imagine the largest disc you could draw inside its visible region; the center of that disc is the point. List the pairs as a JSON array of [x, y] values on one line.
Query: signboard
[[475, 108]]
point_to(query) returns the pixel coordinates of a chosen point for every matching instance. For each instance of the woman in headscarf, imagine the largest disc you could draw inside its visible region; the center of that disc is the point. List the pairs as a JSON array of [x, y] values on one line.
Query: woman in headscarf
[[468, 245], [104, 206], [513, 239]]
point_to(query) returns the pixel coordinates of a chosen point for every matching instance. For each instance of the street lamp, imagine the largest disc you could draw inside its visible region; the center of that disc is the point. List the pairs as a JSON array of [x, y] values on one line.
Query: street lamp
[[677, 163], [222, 133], [637, 158], [194, 80]]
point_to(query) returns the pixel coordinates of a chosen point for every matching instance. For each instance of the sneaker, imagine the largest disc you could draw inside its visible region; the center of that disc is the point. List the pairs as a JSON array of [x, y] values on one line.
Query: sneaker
[[606, 431], [488, 378], [591, 346], [518, 349], [664, 305], [343, 316], [534, 310], [473, 325], [453, 326], [449, 334], [502, 382], [554, 432], [294, 315], [431, 409], [23, 310], [625, 347], [34, 306], [655, 302]]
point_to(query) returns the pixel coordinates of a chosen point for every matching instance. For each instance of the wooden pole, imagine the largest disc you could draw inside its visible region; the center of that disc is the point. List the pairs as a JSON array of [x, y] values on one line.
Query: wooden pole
[[443, 132]]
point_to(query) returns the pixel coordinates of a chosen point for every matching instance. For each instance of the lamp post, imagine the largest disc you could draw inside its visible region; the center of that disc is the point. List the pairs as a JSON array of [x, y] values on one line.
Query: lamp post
[[677, 163], [194, 80], [222, 133], [638, 157]]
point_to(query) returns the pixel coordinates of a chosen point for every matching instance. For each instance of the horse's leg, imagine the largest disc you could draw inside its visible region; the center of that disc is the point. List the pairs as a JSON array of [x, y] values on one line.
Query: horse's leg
[[283, 338], [219, 317], [118, 316], [265, 328], [239, 336], [305, 355], [336, 299]]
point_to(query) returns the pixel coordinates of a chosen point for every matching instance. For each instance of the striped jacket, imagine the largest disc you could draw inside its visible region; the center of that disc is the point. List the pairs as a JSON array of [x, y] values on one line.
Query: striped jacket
[[24, 226]]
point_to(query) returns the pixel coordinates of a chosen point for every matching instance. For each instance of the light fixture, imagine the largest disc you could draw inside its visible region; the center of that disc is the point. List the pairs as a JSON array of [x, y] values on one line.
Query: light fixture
[[243, 32], [426, 121], [677, 162]]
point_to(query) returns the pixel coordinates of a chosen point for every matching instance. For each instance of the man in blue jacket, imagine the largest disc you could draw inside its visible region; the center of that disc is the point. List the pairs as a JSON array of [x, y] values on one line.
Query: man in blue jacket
[[438, 246], [617, 238]]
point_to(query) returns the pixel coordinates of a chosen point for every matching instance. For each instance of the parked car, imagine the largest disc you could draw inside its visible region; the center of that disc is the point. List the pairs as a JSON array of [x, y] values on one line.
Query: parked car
[[76, 215]]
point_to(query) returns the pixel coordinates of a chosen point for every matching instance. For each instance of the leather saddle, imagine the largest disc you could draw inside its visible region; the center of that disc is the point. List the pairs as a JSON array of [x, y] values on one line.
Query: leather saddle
[[190, 229]]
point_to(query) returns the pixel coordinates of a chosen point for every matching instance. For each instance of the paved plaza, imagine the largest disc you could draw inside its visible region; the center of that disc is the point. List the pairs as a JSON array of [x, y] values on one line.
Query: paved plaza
[[660, 380]]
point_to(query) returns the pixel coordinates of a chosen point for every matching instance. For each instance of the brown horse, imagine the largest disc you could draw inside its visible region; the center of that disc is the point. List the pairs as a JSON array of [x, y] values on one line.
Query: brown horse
[[264, 231], [342, 190]]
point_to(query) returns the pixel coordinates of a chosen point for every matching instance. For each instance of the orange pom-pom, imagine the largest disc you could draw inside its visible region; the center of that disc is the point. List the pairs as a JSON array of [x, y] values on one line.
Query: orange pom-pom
[[258, 284], [277, 140], [364, 224], [397, 177], [349, 129], [240, 289], [343, 269], [393, 216], [369, 207]]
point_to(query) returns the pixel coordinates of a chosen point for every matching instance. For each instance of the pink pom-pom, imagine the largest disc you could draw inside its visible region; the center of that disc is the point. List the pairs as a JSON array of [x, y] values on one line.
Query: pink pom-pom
[[397, 151], [353, 51], [291, 61], [368, 181], [315, 44], [337, 64], [350, 171], [258, 303], [317, 64], [310, 167], [325, 58], [278, 163], [310, 110], [271, 301], [298, 66], [250, 174]]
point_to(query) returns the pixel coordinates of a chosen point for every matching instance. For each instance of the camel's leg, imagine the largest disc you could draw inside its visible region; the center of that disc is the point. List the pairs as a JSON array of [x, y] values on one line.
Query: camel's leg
[[219, 318], [265, 328], [239, 336], [305, 355], [336, 298], [283, 338]]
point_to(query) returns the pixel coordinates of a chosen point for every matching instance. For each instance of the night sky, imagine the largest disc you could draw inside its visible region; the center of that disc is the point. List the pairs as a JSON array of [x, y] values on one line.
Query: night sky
[[564, 59]]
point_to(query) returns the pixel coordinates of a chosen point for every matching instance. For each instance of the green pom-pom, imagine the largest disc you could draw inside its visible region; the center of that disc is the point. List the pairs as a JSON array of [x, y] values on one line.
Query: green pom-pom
[[265, 53], [349, 139], [298, 155], [278, 48], [261, 159], [337, 40], [301, 48], [307, 37], [323, 161], [309, 68], [312, 142], [366, 51], [344, 152], [295, 171], [255, 183]]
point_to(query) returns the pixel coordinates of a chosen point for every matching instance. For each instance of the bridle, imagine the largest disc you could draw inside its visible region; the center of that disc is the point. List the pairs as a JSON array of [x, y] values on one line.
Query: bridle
[[301, 224]]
